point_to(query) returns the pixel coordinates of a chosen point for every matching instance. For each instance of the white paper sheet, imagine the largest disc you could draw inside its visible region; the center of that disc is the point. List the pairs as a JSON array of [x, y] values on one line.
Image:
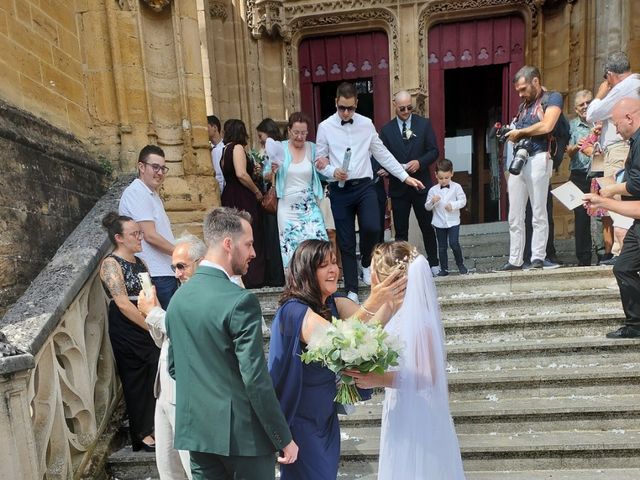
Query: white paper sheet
[[569, 195]]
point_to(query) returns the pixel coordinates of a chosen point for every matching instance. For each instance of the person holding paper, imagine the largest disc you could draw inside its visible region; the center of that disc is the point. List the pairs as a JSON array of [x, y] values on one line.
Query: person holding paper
[[298, 188], [348, 130], [135, 352], [626, 118], [580, 152]]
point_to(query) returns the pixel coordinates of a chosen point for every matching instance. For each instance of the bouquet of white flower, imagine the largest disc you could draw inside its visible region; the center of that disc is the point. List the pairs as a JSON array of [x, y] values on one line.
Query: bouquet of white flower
[[351, 344]]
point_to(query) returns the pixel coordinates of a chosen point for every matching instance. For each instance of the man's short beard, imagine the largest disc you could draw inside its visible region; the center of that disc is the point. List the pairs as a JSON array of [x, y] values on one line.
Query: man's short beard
[[238, 267]]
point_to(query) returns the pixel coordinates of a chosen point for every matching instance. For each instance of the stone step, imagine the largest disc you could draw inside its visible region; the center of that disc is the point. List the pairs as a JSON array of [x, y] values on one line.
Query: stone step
[[368, 471], [522, 451], [541, 353], [599, 412], [553, 381], [486, 326]]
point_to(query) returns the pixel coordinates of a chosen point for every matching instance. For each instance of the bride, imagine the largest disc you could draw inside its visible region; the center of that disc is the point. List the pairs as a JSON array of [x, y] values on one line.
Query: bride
[[418, 439]]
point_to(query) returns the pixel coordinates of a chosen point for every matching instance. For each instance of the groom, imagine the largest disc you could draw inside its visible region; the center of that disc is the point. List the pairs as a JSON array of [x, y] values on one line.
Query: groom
[[227, 414]]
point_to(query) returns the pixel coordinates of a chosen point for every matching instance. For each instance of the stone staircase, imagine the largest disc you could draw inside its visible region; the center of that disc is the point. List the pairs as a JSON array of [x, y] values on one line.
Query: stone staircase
[[536, 390]]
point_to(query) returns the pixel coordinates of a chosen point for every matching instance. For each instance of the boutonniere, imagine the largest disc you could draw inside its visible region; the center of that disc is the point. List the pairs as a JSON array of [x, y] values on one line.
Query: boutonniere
[[409, 134]]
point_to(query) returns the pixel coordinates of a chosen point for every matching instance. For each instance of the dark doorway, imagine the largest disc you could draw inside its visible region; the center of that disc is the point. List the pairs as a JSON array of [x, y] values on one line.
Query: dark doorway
[[327, 96], [473, 103]]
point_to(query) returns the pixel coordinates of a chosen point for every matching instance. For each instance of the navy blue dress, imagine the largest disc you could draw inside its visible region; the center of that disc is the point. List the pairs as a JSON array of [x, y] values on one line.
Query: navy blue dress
[[306, 394]]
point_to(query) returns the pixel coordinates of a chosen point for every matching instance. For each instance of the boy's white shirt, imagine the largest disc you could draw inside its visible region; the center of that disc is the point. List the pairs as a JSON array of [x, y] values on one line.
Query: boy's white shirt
[[453, 195]]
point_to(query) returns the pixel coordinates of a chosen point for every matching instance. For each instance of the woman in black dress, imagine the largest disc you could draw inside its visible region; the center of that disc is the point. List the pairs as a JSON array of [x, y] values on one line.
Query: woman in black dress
[[241, 192], [133, 348]]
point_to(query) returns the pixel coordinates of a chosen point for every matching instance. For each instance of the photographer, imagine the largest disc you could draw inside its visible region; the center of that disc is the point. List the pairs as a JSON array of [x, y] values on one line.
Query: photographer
[[531, 168]]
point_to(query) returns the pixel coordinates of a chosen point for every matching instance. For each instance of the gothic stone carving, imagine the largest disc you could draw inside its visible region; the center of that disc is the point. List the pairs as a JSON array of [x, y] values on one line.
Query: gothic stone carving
[[157, 5], [266, 17], [341, 18], [447, 7], [218, 10]]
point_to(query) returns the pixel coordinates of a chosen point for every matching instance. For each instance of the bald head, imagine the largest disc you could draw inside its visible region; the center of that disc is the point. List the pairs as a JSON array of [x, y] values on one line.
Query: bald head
[[404, 106], [626, 117]]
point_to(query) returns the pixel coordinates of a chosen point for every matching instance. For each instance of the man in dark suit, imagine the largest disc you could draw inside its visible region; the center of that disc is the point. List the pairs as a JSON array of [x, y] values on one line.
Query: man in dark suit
[[227, 413], [410, 138]]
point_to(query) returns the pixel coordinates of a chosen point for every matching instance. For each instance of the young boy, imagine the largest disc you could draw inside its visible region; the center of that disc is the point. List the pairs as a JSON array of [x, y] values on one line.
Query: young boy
[[445, 200]]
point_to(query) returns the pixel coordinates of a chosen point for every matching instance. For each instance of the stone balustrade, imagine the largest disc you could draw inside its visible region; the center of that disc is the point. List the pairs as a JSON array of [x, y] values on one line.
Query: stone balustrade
[[58, 378]]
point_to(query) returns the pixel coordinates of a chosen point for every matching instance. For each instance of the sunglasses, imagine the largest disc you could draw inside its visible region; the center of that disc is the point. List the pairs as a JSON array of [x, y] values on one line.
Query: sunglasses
[[407, 108], [344, 108], [157, 168], [181, 266]]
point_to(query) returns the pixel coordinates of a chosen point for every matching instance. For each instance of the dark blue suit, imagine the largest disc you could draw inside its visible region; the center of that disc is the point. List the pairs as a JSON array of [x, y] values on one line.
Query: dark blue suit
[[421, 146]]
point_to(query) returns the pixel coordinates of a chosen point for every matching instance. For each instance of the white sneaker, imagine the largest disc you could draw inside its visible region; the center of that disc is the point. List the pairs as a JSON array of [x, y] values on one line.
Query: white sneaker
[[353, 296], [366, 275], [435, 270]]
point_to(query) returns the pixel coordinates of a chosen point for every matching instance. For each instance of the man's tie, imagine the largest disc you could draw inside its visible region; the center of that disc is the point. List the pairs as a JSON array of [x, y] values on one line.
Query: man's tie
[[404, 130], [344, 122]]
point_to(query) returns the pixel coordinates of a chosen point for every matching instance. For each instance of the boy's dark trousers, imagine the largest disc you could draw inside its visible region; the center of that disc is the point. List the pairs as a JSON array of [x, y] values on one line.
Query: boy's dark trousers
[[451, 236]]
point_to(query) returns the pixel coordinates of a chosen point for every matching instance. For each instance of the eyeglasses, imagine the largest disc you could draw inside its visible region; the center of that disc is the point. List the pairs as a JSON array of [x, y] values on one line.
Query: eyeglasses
[[407, 108], [182, 266], [296, 133], [136, 234], [345, 108], [157, 168], [583, 104]]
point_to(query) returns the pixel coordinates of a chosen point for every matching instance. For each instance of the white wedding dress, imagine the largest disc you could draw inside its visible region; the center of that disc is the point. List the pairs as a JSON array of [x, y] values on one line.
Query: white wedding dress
[[418, 440]]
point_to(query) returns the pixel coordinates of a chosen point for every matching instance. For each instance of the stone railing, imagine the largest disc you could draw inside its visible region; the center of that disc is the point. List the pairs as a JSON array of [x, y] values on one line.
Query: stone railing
[[58, 378]]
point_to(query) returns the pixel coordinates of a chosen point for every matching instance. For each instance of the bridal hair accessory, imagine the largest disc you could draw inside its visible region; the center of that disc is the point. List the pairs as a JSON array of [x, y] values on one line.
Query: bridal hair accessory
[[404, 262]]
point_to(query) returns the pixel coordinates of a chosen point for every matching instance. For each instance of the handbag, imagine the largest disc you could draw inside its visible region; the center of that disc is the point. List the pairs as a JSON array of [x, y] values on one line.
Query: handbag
[[269, 201]]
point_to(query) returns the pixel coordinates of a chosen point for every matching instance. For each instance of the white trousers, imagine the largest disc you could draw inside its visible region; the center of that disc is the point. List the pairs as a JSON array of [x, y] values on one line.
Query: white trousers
[[172, 464], [532, 184]]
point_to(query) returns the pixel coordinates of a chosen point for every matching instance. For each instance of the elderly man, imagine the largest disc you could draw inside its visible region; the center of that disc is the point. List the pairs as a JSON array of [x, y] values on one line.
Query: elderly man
[[411, 140], [619, 82], [172, 465], [580, 150], [626, 118]]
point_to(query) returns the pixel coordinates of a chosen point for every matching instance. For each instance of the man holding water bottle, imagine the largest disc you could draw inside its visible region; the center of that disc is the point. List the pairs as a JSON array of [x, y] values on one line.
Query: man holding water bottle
[[345, 143]]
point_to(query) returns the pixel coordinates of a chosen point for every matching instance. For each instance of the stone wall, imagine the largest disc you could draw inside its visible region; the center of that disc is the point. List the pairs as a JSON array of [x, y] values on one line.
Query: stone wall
[[48, 183]]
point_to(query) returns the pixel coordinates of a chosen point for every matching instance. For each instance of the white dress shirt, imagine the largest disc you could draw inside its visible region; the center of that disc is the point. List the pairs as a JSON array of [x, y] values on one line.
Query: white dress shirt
[[453, 195], [333, 139], [599, 110], [216, 156]]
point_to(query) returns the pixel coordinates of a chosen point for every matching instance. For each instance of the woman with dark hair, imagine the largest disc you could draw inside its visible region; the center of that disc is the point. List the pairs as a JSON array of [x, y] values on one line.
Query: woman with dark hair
[[274, 271], [242, 193], [298, 189], [306, 391], [135, 352]]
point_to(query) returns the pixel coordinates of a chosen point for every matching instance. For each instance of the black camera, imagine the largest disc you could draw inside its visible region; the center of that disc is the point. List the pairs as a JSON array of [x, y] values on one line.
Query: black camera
[[521, 149]]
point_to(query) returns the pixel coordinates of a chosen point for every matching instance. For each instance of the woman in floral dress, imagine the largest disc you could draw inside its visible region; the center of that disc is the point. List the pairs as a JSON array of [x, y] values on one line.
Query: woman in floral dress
[[298, 189]]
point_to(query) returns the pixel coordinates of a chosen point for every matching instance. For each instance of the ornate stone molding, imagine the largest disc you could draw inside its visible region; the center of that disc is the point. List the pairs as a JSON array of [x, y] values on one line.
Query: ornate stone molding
[[157, 5], [127, 5], [267, 17], [341, 18], [218, 10], [444, 7]]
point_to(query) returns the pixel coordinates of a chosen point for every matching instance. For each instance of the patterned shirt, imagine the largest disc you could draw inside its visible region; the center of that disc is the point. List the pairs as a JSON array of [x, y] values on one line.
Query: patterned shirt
[[579, 160]]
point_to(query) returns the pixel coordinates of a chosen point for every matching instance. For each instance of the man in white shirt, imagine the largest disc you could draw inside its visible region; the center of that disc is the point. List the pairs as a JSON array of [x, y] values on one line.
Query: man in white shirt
[[351, 187], [141, 201], [214, 128], [618, 83], [172, 464]]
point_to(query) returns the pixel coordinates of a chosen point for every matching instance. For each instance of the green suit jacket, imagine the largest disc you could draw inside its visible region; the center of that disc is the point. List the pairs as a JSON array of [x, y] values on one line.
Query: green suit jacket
[[225, 402]]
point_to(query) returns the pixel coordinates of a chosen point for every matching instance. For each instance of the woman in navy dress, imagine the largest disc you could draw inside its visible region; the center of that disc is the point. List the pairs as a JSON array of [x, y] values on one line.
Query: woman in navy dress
[[306, 391]]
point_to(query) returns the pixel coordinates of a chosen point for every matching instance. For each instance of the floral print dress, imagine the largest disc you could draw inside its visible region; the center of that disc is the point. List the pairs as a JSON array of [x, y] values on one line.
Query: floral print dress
[[299, 216]]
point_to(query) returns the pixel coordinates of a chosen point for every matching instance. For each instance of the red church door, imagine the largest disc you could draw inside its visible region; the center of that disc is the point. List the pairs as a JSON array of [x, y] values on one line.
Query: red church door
[[361, 58], [471, 65]]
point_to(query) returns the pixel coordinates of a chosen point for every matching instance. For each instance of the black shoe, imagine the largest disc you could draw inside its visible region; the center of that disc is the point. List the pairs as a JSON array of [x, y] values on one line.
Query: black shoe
[[609, 262], [624, 332], [443, 273], [537, 263], [508, 267], [604, 257], [463, 270], [137, 446]]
